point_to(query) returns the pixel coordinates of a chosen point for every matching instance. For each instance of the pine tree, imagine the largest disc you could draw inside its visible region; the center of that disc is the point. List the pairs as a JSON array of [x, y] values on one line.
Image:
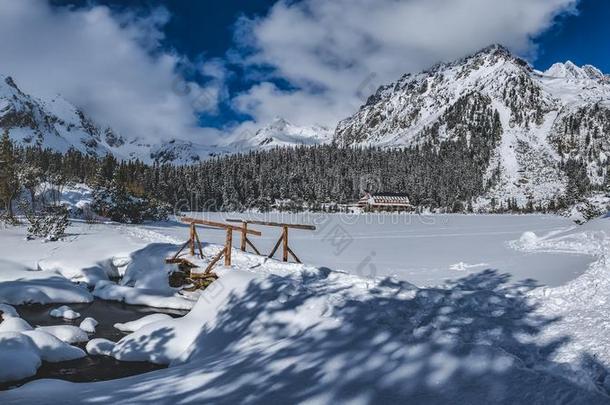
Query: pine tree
[[9, 182]]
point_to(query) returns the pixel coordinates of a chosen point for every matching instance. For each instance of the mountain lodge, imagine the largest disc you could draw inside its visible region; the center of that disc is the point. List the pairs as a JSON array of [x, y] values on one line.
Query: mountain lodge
[[385, 202]]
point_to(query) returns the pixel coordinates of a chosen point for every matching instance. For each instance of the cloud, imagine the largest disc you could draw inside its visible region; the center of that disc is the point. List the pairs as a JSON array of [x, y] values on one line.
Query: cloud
[[111, 65], [333, 54]]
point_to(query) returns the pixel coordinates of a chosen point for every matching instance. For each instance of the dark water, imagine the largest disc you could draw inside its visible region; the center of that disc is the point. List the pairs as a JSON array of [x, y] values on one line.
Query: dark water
[[90, 368]]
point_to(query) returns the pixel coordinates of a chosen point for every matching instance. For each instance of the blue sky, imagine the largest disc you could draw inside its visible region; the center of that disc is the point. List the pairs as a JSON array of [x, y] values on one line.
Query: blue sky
[[202, 69], [582, 38]]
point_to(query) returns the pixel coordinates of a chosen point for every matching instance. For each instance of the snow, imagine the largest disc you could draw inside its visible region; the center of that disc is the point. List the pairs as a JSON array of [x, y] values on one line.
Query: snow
[[280, 133], [24, 348], [420, 249], [88, 325], [8, 311], [479, 329], [66, 333], [140, 323], [15, 325], [64, 312], [141, 296], [37, 272], [21, 353], [52, 349], [100, 347]]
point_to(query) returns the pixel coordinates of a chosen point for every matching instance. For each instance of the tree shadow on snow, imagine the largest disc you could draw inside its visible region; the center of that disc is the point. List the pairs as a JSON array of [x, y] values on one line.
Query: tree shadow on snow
[[475, 341]]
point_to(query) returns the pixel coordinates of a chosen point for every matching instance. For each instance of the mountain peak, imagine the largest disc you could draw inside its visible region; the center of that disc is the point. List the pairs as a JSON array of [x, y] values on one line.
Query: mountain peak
[[497, 49], [570, 71]]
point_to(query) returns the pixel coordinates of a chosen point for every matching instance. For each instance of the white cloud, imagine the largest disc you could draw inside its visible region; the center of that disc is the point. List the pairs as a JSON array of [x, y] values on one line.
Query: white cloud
[[108, 64], [337, 52]]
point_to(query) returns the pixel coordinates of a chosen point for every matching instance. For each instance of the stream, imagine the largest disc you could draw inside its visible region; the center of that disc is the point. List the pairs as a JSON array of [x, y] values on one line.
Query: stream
[[90, 368]]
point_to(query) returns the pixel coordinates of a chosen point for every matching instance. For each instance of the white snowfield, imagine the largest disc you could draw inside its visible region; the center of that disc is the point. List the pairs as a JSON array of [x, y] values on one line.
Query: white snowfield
[[269, 332]]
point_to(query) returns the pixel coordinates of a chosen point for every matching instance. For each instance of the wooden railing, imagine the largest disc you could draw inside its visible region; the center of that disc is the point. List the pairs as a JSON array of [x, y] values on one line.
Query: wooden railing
[[283, 240], [194, 241]]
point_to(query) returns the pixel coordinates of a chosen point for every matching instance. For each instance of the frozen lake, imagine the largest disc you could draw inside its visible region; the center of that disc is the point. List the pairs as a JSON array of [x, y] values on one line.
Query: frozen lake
[[424, 250]]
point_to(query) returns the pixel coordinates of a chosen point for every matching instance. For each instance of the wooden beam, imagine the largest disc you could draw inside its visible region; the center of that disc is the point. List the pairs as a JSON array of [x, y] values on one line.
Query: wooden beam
[[218, 225], [198, 244], [253, 247], [181, 249], [293, 255], [278, 224], [214, 261], [277, 245], [192, 239], [285, 240], [228, 247], [244, 236]]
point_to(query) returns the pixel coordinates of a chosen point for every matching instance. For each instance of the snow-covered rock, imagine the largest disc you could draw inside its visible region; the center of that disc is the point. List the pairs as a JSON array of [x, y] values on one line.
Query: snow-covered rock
[[66, 333], [140, 323], [22, 349], [15, 324], [64, 312], [100, 346], [52, 349], [88, 325]]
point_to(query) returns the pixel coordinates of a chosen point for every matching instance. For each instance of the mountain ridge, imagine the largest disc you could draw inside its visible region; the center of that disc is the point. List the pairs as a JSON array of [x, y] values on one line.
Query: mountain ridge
[[540, 119]]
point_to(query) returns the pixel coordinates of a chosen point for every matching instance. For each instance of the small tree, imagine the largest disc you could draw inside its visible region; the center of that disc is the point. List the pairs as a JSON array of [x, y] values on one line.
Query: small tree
[[9, 181], [30, 177]]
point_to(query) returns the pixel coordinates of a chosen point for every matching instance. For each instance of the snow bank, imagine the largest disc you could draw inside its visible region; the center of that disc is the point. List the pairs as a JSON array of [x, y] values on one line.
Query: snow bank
[[171, 299], [19, 356], [140, 323], [20, 285], [42, 292], [8, 311], [64, 312]]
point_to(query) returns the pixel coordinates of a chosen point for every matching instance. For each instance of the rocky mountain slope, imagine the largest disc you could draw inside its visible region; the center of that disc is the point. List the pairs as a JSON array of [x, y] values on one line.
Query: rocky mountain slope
[[532, 122]]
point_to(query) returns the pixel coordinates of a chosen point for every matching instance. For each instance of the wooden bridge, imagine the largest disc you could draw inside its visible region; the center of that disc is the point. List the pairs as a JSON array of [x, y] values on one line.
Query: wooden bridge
[[194, 243]]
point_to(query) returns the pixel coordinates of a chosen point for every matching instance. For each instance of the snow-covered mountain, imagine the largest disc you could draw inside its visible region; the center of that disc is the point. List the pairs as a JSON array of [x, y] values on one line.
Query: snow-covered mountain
[[281, 133], [533, 120], [52, 123], [57, 124]]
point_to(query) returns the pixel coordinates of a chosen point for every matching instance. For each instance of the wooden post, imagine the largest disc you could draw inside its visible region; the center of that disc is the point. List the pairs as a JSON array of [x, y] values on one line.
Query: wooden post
[[244, 235], [192, 239], [198, 243], [285, 240], [228, 246]]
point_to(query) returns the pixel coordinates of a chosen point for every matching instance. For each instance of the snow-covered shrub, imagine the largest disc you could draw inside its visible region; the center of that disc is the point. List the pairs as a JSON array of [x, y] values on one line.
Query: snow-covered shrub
[[49, 224], [7, 220], [120, 206]]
